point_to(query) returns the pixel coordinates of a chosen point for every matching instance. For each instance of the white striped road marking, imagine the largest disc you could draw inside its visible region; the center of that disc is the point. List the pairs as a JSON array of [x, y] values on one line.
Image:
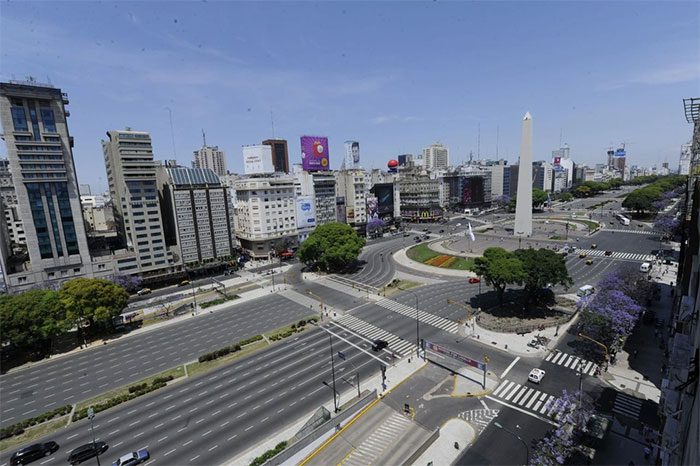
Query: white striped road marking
[[430, 319], [510, 366], [396, 344], [571, 362]]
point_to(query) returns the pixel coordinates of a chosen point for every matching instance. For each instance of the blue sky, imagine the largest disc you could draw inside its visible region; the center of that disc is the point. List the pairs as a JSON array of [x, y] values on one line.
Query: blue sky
[[395, 76]]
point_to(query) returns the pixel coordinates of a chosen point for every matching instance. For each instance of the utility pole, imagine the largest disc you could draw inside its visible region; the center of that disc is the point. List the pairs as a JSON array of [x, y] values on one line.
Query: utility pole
[[335, 399], [91, 416]]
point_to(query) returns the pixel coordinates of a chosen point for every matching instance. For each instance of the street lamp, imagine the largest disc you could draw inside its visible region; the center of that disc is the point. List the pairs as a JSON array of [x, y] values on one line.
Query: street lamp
[[527, 449], [415, 296], [319, 298], [91, 416], [335, 393]]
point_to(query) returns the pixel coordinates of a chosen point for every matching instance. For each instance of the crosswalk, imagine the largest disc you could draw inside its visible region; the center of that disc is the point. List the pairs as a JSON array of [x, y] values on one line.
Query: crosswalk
[[430, 319], [627, 405], [636, 232], [381, 439], [571, 362], [630, 256], [480, 418], [396, 344], [527, 397]]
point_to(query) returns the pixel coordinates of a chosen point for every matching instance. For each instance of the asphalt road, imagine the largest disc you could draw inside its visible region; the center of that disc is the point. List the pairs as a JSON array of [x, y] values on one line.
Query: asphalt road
[[209, 419], [45, 386], [377, 269]]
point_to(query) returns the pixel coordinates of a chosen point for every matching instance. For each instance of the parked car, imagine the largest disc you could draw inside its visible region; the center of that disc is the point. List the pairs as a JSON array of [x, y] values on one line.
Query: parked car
[[133, 458], [379, 345], [87, 451], [442, 231], [608, 253], [474, 280], [536, 375], [406, 235], [33, 452]]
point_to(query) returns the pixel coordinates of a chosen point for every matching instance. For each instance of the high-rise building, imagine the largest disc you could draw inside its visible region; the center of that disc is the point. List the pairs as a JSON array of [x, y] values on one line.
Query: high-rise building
[[280, 154], [39, 150], [321, 186], [436, 157], [131, 173], [210, 157], [351, 185], [419, 194], [542, 175], [404, 158], [562, 158], [197, 209], [497, 178]]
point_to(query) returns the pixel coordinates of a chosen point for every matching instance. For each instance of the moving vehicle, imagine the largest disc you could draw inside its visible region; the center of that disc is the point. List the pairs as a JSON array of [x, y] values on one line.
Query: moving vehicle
[[87, 451], [622, 219], [143, 291], [379, 345], [33, 452], [589, 261], [441, 231], [608, 253], [184, 283], [585, 290], [594, 246], [536, 375], [582, 255], [133, 458], [645, 267], [474, 280]]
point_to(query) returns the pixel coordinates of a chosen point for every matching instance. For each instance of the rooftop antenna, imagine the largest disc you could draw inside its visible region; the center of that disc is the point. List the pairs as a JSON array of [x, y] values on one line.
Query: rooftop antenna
[[204, 138], [272, 123], [172, 131]]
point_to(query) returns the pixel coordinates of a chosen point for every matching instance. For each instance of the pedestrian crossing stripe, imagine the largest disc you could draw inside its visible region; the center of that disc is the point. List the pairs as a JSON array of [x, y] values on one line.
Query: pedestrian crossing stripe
[[382, 438], [572, 362], [636, 232], [631, 256], [627, 405], [353, 283], [396, 344], [481, 417], [430, 319], [526, 397]]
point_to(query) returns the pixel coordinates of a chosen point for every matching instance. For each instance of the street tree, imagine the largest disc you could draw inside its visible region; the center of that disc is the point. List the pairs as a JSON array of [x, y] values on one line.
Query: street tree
[[131, 283], [582, 191], [610, 317], [667, 224], [539, 197], [332, 247], [566, 197], [94, 300], [499, 268], [542, 267], [31, 319], [375, 226]]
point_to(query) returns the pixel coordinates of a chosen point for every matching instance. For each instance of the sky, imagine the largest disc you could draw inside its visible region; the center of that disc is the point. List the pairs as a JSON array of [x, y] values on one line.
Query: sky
[[395, 76]]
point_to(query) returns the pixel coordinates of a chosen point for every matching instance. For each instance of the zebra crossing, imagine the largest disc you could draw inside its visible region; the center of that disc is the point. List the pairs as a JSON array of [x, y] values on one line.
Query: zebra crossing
[[572, 362], [627, 405], [528, 398], [430, 319], [630, 256], [396, 344], [382, 438], [479, 417], [636, 232]]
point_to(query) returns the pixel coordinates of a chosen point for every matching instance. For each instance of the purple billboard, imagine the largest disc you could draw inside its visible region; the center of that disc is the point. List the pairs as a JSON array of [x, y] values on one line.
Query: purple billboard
[[314, 153]]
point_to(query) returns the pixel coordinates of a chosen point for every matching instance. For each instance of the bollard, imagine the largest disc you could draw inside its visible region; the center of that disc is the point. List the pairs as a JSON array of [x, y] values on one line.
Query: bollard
[[506, 346]]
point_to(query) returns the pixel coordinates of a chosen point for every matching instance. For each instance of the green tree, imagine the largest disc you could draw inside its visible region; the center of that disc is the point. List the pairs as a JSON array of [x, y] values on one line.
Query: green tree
[[582, 191], [542, 267], [31, 319], [539, 197], [639, 200], [499, 268], [566, 197], [332, 247], [93, 299]]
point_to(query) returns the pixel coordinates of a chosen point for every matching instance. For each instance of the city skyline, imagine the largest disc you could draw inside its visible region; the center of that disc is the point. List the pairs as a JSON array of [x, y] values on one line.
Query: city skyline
[[323, 81]]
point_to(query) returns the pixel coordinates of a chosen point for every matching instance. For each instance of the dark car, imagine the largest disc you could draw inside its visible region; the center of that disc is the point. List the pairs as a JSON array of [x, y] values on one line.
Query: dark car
[[87, 451], [379, 345], [33, 453], [442, 231], [608, 253]]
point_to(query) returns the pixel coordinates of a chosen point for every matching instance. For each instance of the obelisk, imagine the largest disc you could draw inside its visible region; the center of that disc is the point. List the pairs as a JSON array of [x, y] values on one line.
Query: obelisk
[[523, 207]]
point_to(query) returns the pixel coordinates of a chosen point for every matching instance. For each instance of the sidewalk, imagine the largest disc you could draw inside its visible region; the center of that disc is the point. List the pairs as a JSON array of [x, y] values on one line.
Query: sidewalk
[[456, 435]]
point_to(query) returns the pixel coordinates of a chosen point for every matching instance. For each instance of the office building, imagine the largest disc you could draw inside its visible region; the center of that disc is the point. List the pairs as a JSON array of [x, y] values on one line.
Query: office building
[[13, 237], [197, 210], [131, 173], [562, 158], [321, 186], [404, 158], [280, 154], [265, 214], [39, 150], [467, 187], [210, 157], [436, 157], [542, 175], [353, 188], [419, 195], [497, 178]]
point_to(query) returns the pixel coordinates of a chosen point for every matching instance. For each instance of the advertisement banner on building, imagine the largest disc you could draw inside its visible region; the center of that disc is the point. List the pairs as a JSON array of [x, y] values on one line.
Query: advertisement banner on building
[[306, 212], [620, 153], [557, 161], [314, 153], [257, 160], [352, 154], [340, 209], [473, 190], [372, 208], [385, 198]]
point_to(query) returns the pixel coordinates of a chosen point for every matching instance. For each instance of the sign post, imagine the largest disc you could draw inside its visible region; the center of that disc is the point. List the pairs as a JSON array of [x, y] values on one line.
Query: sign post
[[427, 345]]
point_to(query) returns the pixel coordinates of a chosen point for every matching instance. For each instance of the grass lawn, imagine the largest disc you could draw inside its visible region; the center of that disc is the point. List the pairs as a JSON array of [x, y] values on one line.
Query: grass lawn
[[33, 433], [421, 253], [175, 372], [197, 368], [463, 263], [393, 287]]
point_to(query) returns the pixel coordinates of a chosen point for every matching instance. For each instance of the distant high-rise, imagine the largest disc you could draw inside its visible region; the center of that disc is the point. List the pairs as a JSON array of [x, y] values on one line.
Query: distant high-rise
[[686, 156], [436, 157], [210, 157], [39, 150], [280, 154], [131, 172], [523, 207]]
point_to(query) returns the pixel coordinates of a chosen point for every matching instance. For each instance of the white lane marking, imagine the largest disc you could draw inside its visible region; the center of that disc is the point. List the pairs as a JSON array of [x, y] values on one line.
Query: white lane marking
[[159, 425], [139, 434], [522, 411], [166, 454], [483, 403], [232, 437], [510, 367], [200, 420], [187, 443], [206, 433], [113, 432], [225, 423], [117, 444], [215, 413], [215, 446], [71, 436], [248, 428], [192, 459], [160, 440]]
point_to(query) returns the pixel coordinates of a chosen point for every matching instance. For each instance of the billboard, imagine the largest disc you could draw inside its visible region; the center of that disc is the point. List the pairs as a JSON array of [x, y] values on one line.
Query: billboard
[[385, 198], [257, 159], [557, 160], [314, 153], [352, 154], [340, 209], [473, 190], [306, 212], [372, 208], [620, 153]]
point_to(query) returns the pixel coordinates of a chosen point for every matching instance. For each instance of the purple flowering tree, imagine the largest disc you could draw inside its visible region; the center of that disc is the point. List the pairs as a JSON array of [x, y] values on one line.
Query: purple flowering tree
[[375, 226], [610, 317], [572, 413], [129, 282], [502, 200], [666, 224]]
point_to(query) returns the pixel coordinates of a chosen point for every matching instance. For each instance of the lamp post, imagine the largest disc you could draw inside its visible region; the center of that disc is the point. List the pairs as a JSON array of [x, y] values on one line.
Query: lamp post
[[91, 416], [415, 296], [527, 449], [319, 298], [335, 393]]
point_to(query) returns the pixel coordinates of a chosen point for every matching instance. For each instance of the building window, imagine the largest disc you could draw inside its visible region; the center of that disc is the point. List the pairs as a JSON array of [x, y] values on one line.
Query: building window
[[48, 119], [19, 119]]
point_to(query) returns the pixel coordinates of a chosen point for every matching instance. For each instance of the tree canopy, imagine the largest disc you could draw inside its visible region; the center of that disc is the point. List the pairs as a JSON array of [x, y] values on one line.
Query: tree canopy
[[542, 267], [539, 197], [499, 268], [94, 299], [332, 247], [31, 319]]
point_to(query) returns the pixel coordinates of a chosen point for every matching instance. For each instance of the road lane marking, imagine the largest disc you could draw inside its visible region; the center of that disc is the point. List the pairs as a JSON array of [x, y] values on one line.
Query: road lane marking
[[248, 428], [206, 433], [71, 436], [139, 434], [200, 420], [510, 367], [232, 437], [225, 423], [113, 432], [192, 459], [159, 425], [166, 454], [215, 446]]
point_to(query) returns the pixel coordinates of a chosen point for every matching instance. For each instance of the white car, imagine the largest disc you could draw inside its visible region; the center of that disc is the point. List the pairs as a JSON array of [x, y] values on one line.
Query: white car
[[536, 375]]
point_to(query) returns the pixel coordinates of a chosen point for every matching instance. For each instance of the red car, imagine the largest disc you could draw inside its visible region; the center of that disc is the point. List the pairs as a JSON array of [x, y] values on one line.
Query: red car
[[474, 280]]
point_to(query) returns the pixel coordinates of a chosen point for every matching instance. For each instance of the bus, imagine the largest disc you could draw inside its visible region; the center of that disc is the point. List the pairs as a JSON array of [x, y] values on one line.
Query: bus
[[624, 220]]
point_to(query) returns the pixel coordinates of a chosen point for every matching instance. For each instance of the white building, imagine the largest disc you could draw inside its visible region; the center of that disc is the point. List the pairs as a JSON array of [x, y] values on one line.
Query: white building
[[435, 157], [497, 170], [351, 185], [321, 186], [257, 160], [562, 158], [265, 213], [686, 157], [210, 157]]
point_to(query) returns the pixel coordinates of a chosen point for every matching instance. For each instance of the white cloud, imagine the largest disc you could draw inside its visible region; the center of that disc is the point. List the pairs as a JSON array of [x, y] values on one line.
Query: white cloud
[[381, 119]]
